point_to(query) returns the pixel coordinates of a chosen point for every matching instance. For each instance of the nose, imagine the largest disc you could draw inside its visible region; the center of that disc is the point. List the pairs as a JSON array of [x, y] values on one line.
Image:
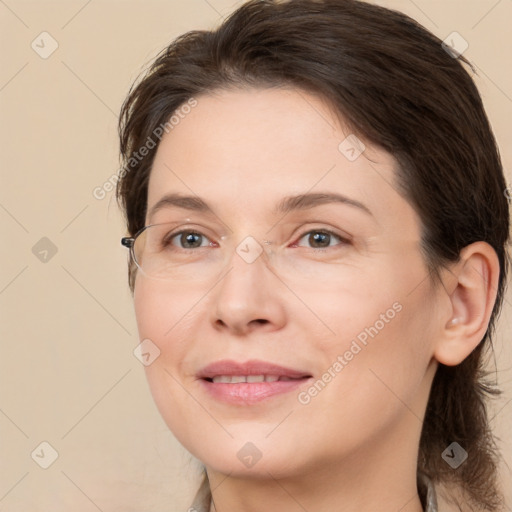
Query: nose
[[248, 297]]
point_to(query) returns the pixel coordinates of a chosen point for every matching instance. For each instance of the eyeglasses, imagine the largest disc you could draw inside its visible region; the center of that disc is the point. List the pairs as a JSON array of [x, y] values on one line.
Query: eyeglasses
[[154, 251], [167, 252]]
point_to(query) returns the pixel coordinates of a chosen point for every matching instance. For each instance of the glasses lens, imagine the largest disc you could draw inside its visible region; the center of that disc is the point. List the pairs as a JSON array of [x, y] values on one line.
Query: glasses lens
[[164, 252]]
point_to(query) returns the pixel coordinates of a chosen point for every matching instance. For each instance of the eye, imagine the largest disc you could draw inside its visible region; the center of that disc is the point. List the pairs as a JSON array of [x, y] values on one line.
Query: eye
[[187, 240], [322, 238]]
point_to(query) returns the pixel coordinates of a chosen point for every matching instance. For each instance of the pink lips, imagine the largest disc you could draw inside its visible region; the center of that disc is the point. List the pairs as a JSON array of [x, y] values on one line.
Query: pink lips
[[246, 393]]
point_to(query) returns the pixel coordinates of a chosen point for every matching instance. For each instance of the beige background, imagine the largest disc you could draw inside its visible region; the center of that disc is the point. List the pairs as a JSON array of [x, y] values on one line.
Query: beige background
[[67, 372]]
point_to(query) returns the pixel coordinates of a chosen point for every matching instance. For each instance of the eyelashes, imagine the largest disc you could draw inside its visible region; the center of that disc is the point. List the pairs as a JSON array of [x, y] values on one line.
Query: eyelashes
[[324, 234]]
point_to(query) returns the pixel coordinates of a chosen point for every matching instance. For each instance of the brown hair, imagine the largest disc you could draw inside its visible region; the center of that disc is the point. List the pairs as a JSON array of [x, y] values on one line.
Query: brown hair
[[394, 85]]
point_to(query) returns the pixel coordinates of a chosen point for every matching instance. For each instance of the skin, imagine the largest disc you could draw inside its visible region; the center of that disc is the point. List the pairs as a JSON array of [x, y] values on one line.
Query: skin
[[242, 151]]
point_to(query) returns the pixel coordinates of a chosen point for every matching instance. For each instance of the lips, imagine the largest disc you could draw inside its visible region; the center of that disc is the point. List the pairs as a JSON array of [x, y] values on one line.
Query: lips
[[250, 382]]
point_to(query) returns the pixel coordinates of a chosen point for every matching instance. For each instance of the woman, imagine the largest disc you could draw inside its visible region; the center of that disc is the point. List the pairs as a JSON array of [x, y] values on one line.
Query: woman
[[317, 222]]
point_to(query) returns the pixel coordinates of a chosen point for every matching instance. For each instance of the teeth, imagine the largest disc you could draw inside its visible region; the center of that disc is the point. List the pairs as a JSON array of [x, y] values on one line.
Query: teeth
[[235, 379], [222, 378], [255, 378]]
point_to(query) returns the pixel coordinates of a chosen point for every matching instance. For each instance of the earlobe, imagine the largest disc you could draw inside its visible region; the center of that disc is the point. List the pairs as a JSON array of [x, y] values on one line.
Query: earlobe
[[472, 300]]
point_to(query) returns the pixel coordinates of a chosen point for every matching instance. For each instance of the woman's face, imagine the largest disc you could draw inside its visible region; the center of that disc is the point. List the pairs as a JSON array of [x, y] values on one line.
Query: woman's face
[[352, 312]]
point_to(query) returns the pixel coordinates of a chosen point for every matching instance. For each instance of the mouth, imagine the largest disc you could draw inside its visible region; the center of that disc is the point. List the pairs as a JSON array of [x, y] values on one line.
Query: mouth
[[237, 379], [250, 382]]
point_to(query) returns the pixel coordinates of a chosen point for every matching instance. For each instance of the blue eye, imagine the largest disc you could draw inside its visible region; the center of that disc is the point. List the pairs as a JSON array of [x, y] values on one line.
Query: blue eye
[[322, 238]]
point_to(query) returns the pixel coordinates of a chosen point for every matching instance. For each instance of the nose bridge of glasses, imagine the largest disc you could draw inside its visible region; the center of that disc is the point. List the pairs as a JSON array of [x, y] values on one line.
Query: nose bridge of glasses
[[239, 248], [252, 248]]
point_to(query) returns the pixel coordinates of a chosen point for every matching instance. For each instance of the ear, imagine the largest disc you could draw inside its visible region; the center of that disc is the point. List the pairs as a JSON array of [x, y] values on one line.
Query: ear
[[472, 294]]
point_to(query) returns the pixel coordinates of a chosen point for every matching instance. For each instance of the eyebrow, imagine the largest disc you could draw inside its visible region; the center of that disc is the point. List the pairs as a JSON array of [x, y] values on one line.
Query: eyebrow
[[286, 205], [312, 199]]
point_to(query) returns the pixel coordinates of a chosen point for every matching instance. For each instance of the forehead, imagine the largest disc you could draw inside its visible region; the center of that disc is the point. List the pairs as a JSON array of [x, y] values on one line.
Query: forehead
[[249, 148]]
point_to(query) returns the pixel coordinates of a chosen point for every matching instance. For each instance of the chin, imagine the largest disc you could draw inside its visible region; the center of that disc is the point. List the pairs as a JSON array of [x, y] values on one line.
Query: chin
[[245, 459]]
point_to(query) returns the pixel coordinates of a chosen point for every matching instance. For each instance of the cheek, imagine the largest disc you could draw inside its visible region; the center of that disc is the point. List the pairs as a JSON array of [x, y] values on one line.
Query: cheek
[[345, 312], [155, 317], [165, 316], [384, 357], [377, 357], [149, 311], [163, 311]]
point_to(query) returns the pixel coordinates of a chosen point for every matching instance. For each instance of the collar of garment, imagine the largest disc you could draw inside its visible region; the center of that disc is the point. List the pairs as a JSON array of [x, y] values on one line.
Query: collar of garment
[[203, 498]]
